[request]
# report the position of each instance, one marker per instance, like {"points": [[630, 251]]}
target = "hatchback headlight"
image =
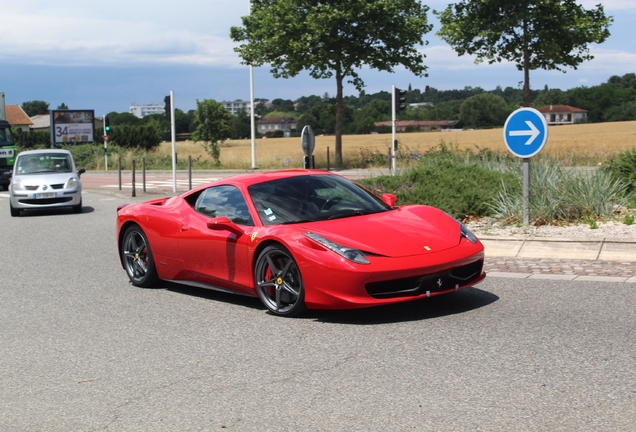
{"points": [[346, 252], [17, 186], [71, 183]]}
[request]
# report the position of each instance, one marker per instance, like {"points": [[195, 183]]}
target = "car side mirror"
{"points": [[7, 174], [389, 199], [81, 171], [223, 223]]}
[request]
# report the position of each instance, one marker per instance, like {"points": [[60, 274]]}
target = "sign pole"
{"points": [[393, 133], [525, 133], [526, 190], [105, 143], [174, 144], [252, 125]]}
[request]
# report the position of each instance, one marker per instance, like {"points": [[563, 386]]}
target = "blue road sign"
{"points": [[525, 132]]}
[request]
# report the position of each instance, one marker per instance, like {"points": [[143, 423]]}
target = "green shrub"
{"points": [[623, 168], [459, 189], [142, 137]]}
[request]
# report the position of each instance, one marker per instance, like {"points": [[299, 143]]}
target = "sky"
{"points": [[108, 55]]}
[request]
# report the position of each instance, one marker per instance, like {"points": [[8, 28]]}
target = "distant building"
{"points": [[17, 117], [286, 124], [421, 125], [142, 111], [563, 114], [235, 106]]}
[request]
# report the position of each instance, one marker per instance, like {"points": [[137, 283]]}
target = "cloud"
{"points": [[92, 35]]}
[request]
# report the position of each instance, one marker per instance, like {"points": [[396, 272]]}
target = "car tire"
{"points": [[136, 255], [78, 208], [279, 283], [14, 211]]}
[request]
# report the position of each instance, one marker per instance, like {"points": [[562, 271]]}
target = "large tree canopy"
{"points": [[533, 34], [333, 37], [35, 107]]}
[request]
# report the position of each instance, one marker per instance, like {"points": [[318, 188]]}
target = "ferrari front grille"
{"points": [[414, 286]]}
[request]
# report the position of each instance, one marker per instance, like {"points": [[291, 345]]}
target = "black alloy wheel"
{"points": [[137, 258], [278, 282]]}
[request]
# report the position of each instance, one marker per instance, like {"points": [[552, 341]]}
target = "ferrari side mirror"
{"points": [[389, 199], [223, 223]]}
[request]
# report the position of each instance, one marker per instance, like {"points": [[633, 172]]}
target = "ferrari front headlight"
{"points": [[466, 233], [346, 252], [71, 183]]}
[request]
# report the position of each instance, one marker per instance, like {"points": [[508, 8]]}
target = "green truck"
{"points": [[8, 152]]}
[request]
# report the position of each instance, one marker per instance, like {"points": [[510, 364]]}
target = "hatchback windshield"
{"points": [[44, 163], [312, 198]]}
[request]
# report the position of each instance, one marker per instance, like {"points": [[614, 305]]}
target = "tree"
{"points": [[533, 34], [484, 110], [35, 107], [330, 38], [62, 106], [212, 125], [241, 124]]}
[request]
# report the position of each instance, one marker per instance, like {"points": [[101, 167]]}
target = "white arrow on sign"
{"points": [[533, 132]]}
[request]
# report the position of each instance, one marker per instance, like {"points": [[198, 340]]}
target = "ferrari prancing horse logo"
{"points": [[254, 234]]}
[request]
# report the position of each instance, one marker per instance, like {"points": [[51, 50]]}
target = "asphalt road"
{"points": [[83, 350]]}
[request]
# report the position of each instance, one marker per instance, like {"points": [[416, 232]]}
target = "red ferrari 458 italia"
{"points": [[298, 239]]}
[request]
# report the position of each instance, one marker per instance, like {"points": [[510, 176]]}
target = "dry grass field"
{"points": [[582, 144]]}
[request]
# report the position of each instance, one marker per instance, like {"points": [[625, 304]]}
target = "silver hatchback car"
{"points": [[45, 179]]}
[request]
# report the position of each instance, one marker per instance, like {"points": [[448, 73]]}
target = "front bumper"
{"points": [[25, 200]]}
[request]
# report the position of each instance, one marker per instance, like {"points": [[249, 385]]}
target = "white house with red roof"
{"points": [[563, 114]]}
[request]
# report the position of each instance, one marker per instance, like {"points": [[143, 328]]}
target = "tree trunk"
{"points": [[339, 118], [527, 95]]}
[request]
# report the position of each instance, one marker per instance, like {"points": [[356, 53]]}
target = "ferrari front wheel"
{"points": [[137, 258], [278, 282]]}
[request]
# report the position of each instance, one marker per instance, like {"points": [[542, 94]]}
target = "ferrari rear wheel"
{"points": [[137, 258], [279, 283]]}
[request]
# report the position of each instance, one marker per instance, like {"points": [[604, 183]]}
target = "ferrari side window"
{"points": [[225, 201]]}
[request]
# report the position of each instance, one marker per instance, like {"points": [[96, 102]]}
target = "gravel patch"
{"points": [[609, 229]]}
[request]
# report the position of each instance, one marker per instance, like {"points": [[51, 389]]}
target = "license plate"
{"points": [[45, 195]]}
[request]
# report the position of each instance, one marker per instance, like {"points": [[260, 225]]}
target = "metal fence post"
{"points": [[143, 172], [133, 179], [189, 172]]}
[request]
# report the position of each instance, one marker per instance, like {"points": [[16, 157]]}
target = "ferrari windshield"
{"points": [[312, 198], [44, 163]]}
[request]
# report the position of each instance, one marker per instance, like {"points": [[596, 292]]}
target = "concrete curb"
{"points": [[601, 249]]}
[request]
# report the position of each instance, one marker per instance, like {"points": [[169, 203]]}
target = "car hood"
{"points": [[405, 231], [45, 178]]}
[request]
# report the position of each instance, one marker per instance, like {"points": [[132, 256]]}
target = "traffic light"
{"points": [[167, 108], [400, 100], [107, 124]]}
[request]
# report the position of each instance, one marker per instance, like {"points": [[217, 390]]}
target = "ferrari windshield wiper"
{"points": [[353, 213], [297, 221]]}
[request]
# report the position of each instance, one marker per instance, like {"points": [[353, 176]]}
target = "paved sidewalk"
{"points": [[561, 269]]}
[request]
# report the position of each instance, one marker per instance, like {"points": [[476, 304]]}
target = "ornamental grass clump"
{"points": [[562, 195]]}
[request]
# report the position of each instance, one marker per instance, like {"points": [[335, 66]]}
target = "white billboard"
{"points": [[72, 126]]}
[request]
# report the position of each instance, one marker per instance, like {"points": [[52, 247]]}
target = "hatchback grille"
{"points": [[47, 200], [414, 286]]}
